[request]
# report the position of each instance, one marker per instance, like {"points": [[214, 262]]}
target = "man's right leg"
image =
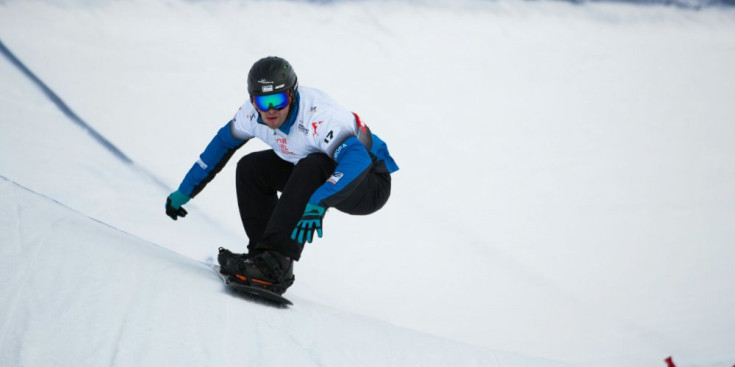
{"points": [[310, 173], [259, 177], [269, 220]]}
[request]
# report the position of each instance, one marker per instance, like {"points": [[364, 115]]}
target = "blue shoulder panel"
{"points": [[380, 150]]}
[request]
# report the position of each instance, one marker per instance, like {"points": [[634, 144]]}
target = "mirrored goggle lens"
{"points": [[278, 101]]}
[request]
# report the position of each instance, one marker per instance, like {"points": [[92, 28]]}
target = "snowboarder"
{"points": [[323, 156]]}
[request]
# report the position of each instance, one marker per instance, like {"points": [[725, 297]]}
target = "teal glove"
{"points": [[310, 221], [174, 203]]}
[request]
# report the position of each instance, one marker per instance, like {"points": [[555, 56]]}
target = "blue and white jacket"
{"points": [[315, 124]]}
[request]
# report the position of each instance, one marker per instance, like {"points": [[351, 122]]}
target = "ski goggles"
{"points": [[278, 101]]}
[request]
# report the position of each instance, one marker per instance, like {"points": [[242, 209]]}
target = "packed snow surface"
{"points": [[78, 292], [566, 191]]}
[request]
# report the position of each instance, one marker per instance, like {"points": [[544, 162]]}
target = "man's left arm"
{"points": [[353, 165]]}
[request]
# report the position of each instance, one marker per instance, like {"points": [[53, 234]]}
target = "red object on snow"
{"points": [[670, 362]]}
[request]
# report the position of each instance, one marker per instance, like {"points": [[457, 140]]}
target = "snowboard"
{"points": [[256, 292]]}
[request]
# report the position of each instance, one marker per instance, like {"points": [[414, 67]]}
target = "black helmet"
{"points": [[272, 75]]}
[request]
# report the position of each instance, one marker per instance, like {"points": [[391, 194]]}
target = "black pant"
{"points": [[270, 220]]}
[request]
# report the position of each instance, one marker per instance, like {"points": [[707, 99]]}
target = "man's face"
{"points": [[273, 108], [274, 118]]}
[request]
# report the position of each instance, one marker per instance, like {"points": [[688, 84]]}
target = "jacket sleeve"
{"points": [[211, 161], [353, 164]]}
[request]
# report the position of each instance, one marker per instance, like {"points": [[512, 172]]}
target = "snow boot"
{"points": [[267, 270], [227, 260]]}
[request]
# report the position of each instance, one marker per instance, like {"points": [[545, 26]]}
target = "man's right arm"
{"points": [[215, 156]]}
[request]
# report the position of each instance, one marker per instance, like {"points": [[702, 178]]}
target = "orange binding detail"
{"points": [[244, 279]]}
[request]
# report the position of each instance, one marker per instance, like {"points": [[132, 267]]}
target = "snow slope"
{"points": [[579, 157], [43, 150], [77, 292]]}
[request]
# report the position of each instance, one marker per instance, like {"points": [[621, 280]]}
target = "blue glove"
{"points": [[310, 221], [174, 203]]}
